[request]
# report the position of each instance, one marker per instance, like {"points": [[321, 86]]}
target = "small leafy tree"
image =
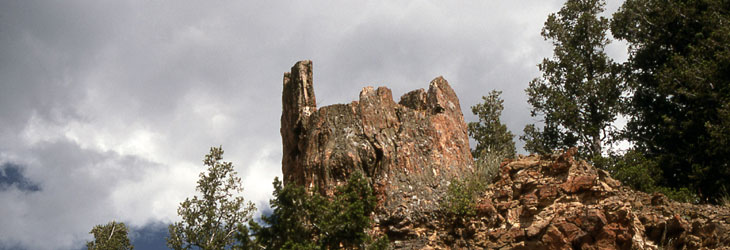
{"points": [[213, 220], [301, 220], [112, 236], [579, 92]]}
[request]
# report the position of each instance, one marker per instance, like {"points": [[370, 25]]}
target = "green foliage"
{"points": [[679, 74], [381, 243], [494, 143], [301, 220], [579, 92], [725, 199], [460, 199], [487, 167], [633, 169], [462, 194], [289, 223], [112, 236], [547, 140], [489, 132], [213, 220], [678, 194]]}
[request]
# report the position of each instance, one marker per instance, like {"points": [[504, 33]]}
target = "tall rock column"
{"points": [[298, 102]]}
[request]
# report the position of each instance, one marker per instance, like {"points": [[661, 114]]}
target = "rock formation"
{"points": [[409, 150], [412, 149], [558, 202]]}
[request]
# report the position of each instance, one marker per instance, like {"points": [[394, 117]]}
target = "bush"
{"points": [[487, 165], [640, 173], [462, 194], [460, 200]]}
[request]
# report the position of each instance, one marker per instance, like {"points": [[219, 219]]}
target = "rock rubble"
{"points": [[558, 202]]}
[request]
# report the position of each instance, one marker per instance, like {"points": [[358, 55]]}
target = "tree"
{"points": [[213, 220], [679, 75], [112, 236], [302, 220], [579, 92], [489, 132], [290, 225]]}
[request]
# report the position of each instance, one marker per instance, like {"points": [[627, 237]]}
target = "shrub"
{"points": [[462, 194], [640, 173]]}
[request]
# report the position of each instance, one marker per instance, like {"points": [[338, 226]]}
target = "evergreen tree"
{"points": [[290, 225], [213, 220], [112, 236], [679, 74], [301, 220], [489, 132], [579, 92]]}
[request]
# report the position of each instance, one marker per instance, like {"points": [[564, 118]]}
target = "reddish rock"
{"points": [[578, 183], [554, 239], [409, 150], [572, 232], [587, 209], [486, 208]]}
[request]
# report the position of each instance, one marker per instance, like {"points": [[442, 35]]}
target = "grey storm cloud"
{"points": [[108, 107]]}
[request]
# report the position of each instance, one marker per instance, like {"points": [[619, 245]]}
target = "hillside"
{"points": [[411, 150]]}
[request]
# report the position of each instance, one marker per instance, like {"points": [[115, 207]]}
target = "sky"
{"points": [[107, 108]]}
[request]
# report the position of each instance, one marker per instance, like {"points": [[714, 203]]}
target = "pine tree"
{"points": [[213, 220], [491, 135], [579, 92], [303, 220]]}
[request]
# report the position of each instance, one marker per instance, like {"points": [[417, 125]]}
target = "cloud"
{"points": [[109, 107], [77, 188]]}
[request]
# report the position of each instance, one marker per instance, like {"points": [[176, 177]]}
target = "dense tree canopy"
{"points": [[213, 220], [679, 74], [579, 92]]}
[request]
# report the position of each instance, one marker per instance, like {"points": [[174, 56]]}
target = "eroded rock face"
{"points": [[409, 150]]}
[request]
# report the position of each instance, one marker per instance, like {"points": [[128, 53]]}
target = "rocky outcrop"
{"points": [[558, 202], [409, 150]]}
